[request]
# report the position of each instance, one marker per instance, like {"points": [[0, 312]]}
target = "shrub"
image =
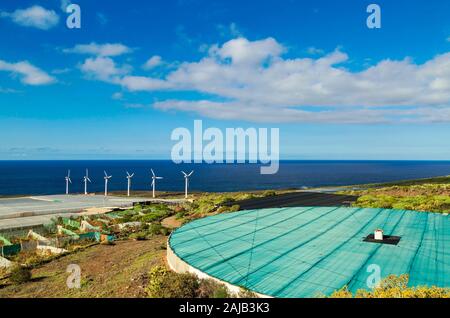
{"points": [[179, 209], [180, 215], [139, 236], [395, 287], [166, 284], [20, 274], [245, 293], [209, 288], [269, 193], [152, 216]]}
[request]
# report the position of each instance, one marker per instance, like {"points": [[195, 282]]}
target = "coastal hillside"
{"points": [[428, 195]]}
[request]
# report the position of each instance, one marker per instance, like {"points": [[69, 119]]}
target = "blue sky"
{"points": [[117, 87]]}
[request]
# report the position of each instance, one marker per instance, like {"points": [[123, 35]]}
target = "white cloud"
{"points": [[142, 83], [108, 49], [262, 113], [152, 62], [30, 74], [103, 68], [255, 82], [35, 16], [244, 52]]}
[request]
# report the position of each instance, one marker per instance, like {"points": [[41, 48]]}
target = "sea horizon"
{"points": [[41, 177]]}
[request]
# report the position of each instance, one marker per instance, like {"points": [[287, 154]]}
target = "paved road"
{"points": [[35, 211], [41, 205], [297, 199]]}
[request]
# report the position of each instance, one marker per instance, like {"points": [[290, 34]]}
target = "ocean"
{"points": [[47, 177]]}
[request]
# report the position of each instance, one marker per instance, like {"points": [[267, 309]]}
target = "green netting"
{"points": [[88, 236], [313, 251], [87, 226], [71, 223], [11, 250], [69, 233]]}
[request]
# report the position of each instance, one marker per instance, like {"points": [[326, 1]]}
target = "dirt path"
{"points": [[171, 222], [106, 271]]}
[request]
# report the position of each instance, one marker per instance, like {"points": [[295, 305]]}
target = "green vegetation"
{"points": [[420, 197], [20, 274], [214, 203], [395, 287], [164, 283], [418, 203]]}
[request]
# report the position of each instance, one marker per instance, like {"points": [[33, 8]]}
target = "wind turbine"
{"points": [[129, 176], [154, 178], [186, 182], [106, 183], [67, 182], [86, 180]]}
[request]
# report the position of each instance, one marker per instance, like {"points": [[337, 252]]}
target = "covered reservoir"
{"points": [[313, 251]]}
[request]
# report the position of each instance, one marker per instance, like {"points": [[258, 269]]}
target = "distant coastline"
{"points": [[18, 178]]}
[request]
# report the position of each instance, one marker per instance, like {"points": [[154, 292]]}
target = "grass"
{"points": [[106, 271]]}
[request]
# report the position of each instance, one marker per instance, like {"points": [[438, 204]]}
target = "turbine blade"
{"points": [[88, 179], [153, 173], [190, 174], [70, 180]]}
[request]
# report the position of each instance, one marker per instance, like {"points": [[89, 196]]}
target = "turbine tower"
{"points": [[129, 176], [154, 178], [106, 183], [86, 180], [67, 182], [186, 182]]}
